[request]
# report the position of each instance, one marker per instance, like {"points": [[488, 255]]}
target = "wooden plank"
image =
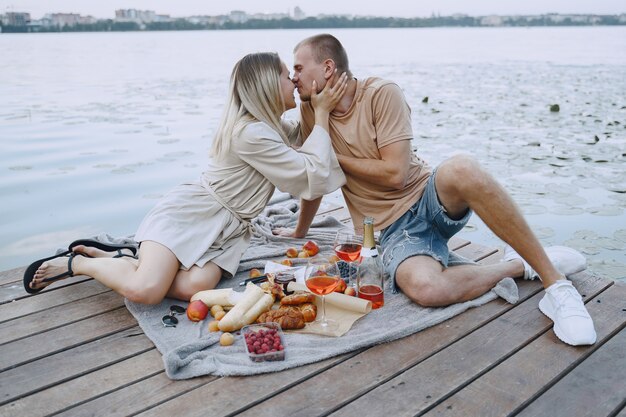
{"points": [[43, 373], [61, 338], [12, 330], [434, 379], [48, 299], [521, 377], [493, 258], [596, 387], [12, 275], [325, 392], [140, 396], [475, 251], [87, 387], [15, 291], [227, 396]]}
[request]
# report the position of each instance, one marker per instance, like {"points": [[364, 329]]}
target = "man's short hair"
{"points": [[325, 46]]}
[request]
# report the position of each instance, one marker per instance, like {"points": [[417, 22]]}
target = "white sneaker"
{"points": [[564, 306], [566, 260]]}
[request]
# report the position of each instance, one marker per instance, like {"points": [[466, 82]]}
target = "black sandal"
{"points": [[107, 247], [29, 275]]}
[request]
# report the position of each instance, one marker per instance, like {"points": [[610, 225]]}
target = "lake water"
{"points": [[94, 127]]}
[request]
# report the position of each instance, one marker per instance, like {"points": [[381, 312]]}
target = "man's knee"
{"points": [[462, 168], [421, 287]]}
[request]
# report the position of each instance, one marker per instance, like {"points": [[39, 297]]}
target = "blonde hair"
{"points": [[254, 96]]}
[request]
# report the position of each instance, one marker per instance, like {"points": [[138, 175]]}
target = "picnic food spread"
{"points": [[269, 304]]}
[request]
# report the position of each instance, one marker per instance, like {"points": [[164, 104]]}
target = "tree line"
{"points": [[330, 22]]}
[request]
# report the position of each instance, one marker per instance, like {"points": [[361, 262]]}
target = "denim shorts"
{"points": [[423, 230]]}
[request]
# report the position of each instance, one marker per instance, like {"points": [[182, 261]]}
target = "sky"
{"points": [[397, 8]]}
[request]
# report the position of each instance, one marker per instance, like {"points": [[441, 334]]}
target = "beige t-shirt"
{"points": [[378, 116]]}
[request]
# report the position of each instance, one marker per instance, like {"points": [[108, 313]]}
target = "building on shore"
{"points": [[15, 19]]}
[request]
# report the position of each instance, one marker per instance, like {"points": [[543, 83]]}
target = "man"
{"points": [[417, 209]]}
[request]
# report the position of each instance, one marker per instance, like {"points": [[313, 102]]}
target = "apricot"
{"points": [[286, 262], [311, 248], [303, 254], [215, 309], [255, 273], [350, 291], [219, 315], [214, 326], [197, 310], [227, 339], [292, 253]]}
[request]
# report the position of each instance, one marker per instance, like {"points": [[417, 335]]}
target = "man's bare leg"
{"points": [[461, 183], [425, 281]]}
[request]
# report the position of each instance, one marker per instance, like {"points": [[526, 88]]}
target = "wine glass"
{"points": [[322, 277], [348, 248]]}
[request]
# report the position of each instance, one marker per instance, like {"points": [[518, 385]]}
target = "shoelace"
{"points": [[568, 300]]}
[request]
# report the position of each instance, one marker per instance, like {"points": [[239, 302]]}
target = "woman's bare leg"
{"points": [[189, 282], [146, 280], [99, 253]]}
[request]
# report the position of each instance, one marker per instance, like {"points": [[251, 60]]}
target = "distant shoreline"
{"points": [[331, 22]]}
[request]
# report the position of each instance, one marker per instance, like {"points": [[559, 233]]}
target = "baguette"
{"points": [[234, 319], [221, 297]]}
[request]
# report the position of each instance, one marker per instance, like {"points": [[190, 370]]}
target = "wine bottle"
{"points": [[370, 284]]}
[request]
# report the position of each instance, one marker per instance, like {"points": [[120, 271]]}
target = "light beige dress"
{"points": [[209, 220]]}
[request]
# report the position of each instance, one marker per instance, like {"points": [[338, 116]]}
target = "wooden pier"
{"points": [[75, 350]]}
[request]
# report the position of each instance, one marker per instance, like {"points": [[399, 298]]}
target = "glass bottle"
{"points": [[370, 284]]}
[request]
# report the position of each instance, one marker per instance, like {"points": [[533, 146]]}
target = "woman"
{"points": [[199, 231]]}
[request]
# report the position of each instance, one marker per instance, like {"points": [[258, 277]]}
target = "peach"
{"points": [[334, 258], [197, 310], [286, 262], [350, 291], [341, 287], [255, 273], [303, 254], [292, 253], [311, 248]]}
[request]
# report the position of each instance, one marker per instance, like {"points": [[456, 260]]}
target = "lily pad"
{"points": [[533, 209], [586, 234], [566, 210], [571, 200], [620, 235], [611, 269], [610, 243], [606, 210]]}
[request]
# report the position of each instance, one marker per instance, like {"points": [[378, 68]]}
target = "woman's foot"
{"points": [[53, 270], [92, 252]]}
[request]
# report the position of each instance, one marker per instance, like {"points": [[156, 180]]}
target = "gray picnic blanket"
{"points": [[190, 350]]}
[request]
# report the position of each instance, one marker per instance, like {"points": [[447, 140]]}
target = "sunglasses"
{"points": [[169, 320]]}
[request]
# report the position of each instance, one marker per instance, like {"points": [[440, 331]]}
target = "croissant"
{"points": [[298, 298], [289, 318], [309, 311]]}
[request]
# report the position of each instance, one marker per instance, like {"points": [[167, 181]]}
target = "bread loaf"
{"points": [[298, 298], [289, 318]]}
